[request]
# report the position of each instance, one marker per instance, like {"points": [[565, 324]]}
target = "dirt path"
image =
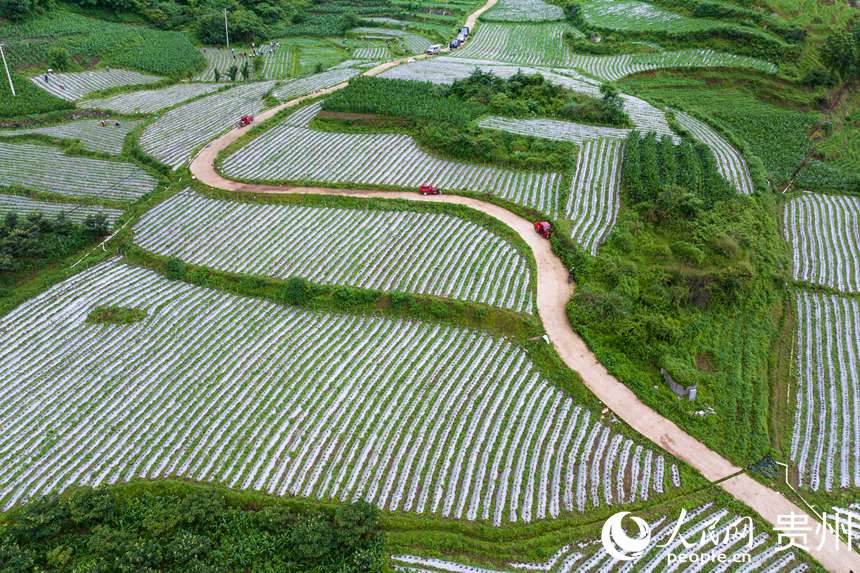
{"points": [[553, 292]]}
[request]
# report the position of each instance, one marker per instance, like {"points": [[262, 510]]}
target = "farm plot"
{"points": [[824, 234], [221, 59], [210, 386], [72, 212], [633, 16], [91, 133], [303, 86], [151, 101], [76, 85], [705, 530], [367, 249], [595, 192], [730, 163], [825, 442], [370, 52], [848, 519], [292, 153], [47, 169], [543, 45], [552, 129], [524, 11], [173, 137]]}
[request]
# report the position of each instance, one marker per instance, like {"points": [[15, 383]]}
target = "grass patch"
{"points": [[116, 315]]}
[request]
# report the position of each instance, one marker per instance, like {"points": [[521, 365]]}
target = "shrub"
{"points": [[175, 269]]}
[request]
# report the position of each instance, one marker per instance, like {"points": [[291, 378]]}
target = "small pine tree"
{"points": [[246, 71], [232, 72], [217, 75]]}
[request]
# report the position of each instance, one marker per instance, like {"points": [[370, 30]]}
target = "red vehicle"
{"points": [[246, 120], [429, 190], [543, 228]]}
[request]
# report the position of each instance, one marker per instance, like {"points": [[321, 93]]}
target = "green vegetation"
{"points": [[690, 281], [31, 242], [171, 526], [39, 41], [29, 99], [116, 315], [442, 118]]}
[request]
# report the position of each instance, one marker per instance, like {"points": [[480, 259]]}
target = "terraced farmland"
{"points": [[369, 249], [633, 16], [76, 85], [303, 86], [706, 530], [72, 212], [221, 59], [825, 442], [47, 169], [173, 137], [595, 192], [730, 162], [824, 234], [543, 45], [377, 52], [215, 387], [524, 11], [92, 135], [151, 101], [293, 153], [552, 129]]}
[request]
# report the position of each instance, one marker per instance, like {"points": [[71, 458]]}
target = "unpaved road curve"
{"points": [[553, 292]]}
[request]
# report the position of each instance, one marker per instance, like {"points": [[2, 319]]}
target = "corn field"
{"points": [[730, 163]]}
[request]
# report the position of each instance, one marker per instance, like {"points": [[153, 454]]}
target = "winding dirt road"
{"points": [[553, 292]]}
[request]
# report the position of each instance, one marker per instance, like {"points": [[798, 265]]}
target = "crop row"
{"points": [[94, 136], [377, 52], [151, 101], [848, 520], [76, 85], [825, 442], [45, 168], [174, 136], [707, 531], [824, 234], [544, 45], [595, 192], [386, 250], [221, 59], [446, 70], [730, 163], [215, 387], [288, 153], [554, 129], [524, 11], [310, 84], [77, 213]]}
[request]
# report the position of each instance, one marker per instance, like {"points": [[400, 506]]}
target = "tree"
{"points": [[16, 9], [839, 54], [175, 269], [58, 58]]}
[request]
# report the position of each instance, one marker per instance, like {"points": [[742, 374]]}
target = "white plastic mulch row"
{"points": [[94, 136], [310, 84], [595, 192], [824, 234], [445, 70], [730, 162], [288, 153], [173, 137], [76, 213], [557, 130], [848, 520], [222, 59], [706, 531], [76, 85], [524, 11], [46, 168], [544, 45], [370, 52], [215, 387], [151, 101], [427, 253], [825, 442]]}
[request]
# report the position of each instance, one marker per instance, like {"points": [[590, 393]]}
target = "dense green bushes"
{"points": [[690, 280], [152, 527], [29, 98]]}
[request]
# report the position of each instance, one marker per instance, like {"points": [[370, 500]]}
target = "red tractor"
{"points": [[246, 120], [543, 228], [429, 190]]}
